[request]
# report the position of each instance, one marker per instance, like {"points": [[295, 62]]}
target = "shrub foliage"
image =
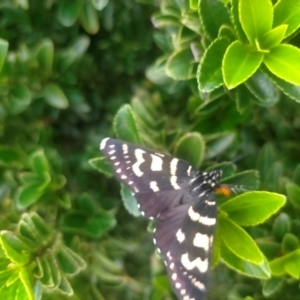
{"points": [[214, 82]]}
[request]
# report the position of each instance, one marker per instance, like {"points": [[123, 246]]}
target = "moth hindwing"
{"points": [[182, 201]]}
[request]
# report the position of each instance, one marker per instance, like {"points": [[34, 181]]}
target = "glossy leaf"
{"points": [[247, 180], [287, 12], [125, 125], [99, 4], [284, 62], [263, 88], [101, 165], [239, 242], [216, 144], [273, 37], [293, 193], [271, 286], [3, 51], [89, 19], [129, 201], [252, 208], [19, 99], [239, 64], [45, 56], [54, 96], [69, 12], [245, 267], [235, 17], [180, 65], [39, 163], [208, 10], [256, 18], [210, 69], [13, 247], [281, 226], [191, 147]]}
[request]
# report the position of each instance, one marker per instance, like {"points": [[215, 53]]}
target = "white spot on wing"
{"points": [[153, 186], [201, 265], [103, 143], [125, 148], [156, 164], [123, 176], [180, 236], [193, 215], [201, 219], [139, 160], [174, 182], [174, 276], [177, 285], [182, 292], [189, 170], [201, 241], [207, 221], [172, 266], [173, 166]]}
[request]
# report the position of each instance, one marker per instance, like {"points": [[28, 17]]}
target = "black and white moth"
{"points": [[182, 201]]}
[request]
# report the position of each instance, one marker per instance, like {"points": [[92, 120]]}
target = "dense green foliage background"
{"points": [[74, 72]]}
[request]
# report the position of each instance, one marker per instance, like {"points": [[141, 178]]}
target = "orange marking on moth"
{"points": [[223, 190]]}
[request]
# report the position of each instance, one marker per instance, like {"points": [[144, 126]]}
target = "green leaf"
{"points": [[208, 10], [19, 99], [125, 125], [265, 159], [287, 264], [191, 147], [281, 226], [248, 180], [45, 55], [209, 73], [89, 19], [235, 18], [156, 72], [238, 241], [13, 247], [218, 143], [25, 277], [8, 156], [256, 18], [263, 88], [284, 62], [293, 193], [69, 12], [46, 279], [252, 208], [180, 65], [39, 163], [289, 89], [239, 64], [129, 201], [290, 243], [287, 12], [272, 286], [243, 98], [273, 37], [99, 4], [65, 287], [27, 195], [101, 165], [194, 4], [67, 263], [245, 267], [16, 291], [55, 96], [3, 51]]}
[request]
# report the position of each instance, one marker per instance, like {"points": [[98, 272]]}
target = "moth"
{"points": [[181, 199]]}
